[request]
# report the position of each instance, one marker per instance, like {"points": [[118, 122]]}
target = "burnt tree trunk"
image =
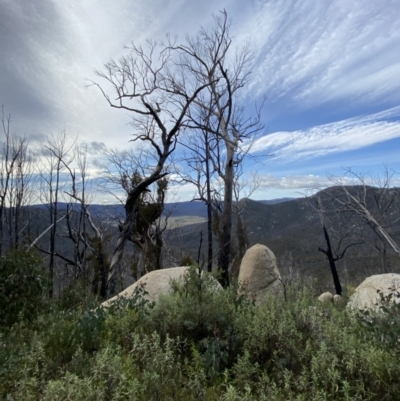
{"points": [[224, 253], [209, 207], [332, 260]]}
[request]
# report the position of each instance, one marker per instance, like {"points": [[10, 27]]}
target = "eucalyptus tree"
{"points": [[213, 61], [146, 83], [124, 170], [88, 235], [199, 172], [73, 236], [16, 178], [375, 201], [170, 88], [339, 229], [56, 158]]}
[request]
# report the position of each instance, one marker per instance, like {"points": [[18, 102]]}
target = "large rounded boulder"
{"points": [[155, 283], [259, 276], [367, 294]]}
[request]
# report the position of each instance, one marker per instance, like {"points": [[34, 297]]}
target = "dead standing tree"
{"points": [[372, 200], [337, 227], [87, 247], [147, 84], [89, 239], [244, 186], [21, 192], [15, 176], [57, 156], [124, 171], [211, 60], [199, 172]]}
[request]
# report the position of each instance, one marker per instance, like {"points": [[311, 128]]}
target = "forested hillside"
{"points": [[293, 231]]}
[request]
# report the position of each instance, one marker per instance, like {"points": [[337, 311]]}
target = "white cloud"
{"points": [[306, 53], [349, 134], [312, 52], [273, 186], [292, 182]]}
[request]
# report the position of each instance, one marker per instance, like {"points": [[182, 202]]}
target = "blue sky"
{"points": [[330, 70]]}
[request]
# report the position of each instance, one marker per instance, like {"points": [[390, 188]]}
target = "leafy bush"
{"points": [[384, 323], [199, 343], [303, 349], [203, 314], [126, 316], [76, 295], [23, 286], [137, 301]]}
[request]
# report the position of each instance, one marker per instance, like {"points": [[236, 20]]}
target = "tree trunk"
{"points": [[54, 212], [332, 264], [384, 257], [103, 272], [127, 226], [158, 251], [209, 207], [224, 253]]}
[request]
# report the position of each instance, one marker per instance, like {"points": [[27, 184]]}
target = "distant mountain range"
{"points": [[292, 230], [275, 201], [177, 209], [289, 227]]}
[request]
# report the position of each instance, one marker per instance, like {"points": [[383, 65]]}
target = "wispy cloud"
{"points": [[292, 182], [308, 54], [308, 184], [312, 52], [349, 134]]}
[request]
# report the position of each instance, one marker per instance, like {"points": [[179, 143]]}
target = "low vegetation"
{"points": [[198, 343]]}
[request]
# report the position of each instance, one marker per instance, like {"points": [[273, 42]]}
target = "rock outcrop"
{"points": [[259, 275], [155, 283], [366, 295]]}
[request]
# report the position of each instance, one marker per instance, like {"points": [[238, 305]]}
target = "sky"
{"points": [[329, 71]]}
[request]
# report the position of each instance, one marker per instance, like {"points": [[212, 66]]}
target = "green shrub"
{"points": [[204, 314], [126, 316], [186, 261], [384, 323], [199, 343], [307, 350], [23, 287], [75, 296]]}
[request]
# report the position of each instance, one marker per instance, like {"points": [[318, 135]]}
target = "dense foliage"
{"points": [[200, 343], [22, 285]]}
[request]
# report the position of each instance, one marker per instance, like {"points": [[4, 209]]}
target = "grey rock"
{"points": [[326, 297], [366, 295], [156, 283], [259, 276], [336, 298]]}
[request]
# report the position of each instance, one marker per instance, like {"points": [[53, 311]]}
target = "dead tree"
{"points": [[375, 201], [15, 185], [207, 57], [57, 157], [243, 187], [123, 172], [199, 172], [146, 84], [336, 226], [20, 195], [332, 260], [88, 238]]}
